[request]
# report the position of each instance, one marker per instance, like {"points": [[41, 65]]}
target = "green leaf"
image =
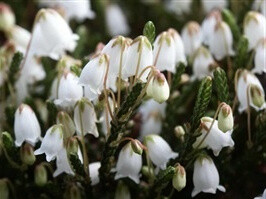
{"points": [[230, 19], [14, 67], [149, 31], [221, 85], [177, 76], [241, 53], [76, 164], [52, 110], [10, 147], [202, 102]]}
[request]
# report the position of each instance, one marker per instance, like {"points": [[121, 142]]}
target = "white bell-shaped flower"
{"points": [[158, 88], [179, 47], [117, 50], [192, 37], [164, 53], [260, 60], [52, 142], [51, 35], [85, 118], [149, 107], [208, 25], [202, 63], [221, 41], [139, 56], [152, 125], [263, 196], [78, 9], [248, 85], [178, 7], [216, 138], [254, 28], [93, 75], [7, 17], [94, 172], [26, 126], [260, 5], [205, 177], [116, 20], [128, 164], [159, 150], [69, 91], [209, 5], [20, 37]]}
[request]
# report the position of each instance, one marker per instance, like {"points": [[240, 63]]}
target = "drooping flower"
{"points": [[158, 88], [260, 61], [52, 142], [116, 20], [225, 118], [192, 37], [209, 5], [203, 63], [78, 9], [67, 124], [208, 25], [159, 150], [94, 172], [139, 56], [250, 89], [260, 5], [254, 28], [206, 177], [93, 74], [51, 35], [178, 7], [62, 164], [221, 41], [7, 17], [128, 164], [152, 125], [26, 126], [179, 178], [179, 47], [149, 107], [20, 37], [164, 53], [85, 118], [69, 91], [216, 139]]}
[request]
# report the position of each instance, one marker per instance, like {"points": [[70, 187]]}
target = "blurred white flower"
{"points": [[254, 28], [69, 91], [260, 57], [94, 172], [202, 63], [92, 75], [22, 91], [7, 17], [263, 196], [150, 106], [178, 7], [216, 138], [139, 56], [128, 164], [209, 5], [179, 46], [78, 9], [152, 125], [26, 126], [208, 25], [260, 5], [192, 37], [248, 84], [51, 35], [159, 150], [205, 177], [158, 88], [116, 20], [52, 142], [85, 118], [164, 53], [221, 41]]}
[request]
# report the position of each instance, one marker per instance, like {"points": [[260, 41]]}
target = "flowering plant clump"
{"points": [[133, 99]]}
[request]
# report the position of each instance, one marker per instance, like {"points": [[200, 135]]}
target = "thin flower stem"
{"points": [[144, 70], [11, 187], [157, 55], [169, 78], [113, 98], [137, 69], [107, 122], [119, 80], [248, 119], [249, 64], [150, 167]]}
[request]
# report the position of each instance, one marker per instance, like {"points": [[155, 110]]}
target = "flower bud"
{"points": [[27, 154], [158, 88], [259, 59], [74, 193], [136, 146], [179, 178], [147, 172], [7, 17], [179, 131], [225, 118], [72, 145], [67, 124], [4, 192], [40, 175], [122, 191], [257, 96]]}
